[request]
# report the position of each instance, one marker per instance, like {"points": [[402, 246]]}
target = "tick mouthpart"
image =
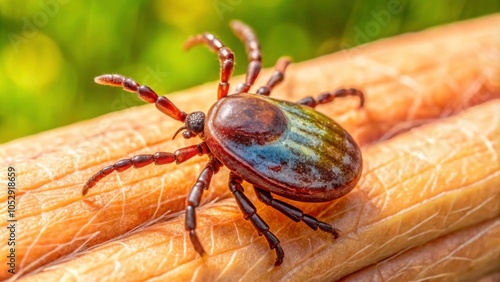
{"points": [[179, 130]]}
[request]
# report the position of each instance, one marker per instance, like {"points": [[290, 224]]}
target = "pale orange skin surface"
{"points": [[428, 198]]}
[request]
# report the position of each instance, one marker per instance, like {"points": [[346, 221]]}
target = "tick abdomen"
{"points": [[285, 148]]}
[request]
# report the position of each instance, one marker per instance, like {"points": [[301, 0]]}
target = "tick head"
{"points": [[193, 125]]}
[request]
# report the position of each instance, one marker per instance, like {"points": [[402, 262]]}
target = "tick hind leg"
{"points": [[193, 201], [294, 213], [226, 58], [328, 97], [250, 213], [247, 35], [159, 158], [276, 78]]}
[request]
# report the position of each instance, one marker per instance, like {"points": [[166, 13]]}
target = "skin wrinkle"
{"points": [[226, 268], [423, 256], [400, 253], [159, 203], [467, 96], [481, 134], [69, 151], [370, 194], [73, 275], [63, 259], [212, 239], [138, 251], [458, 248], [473, 210], [166, 215], [434, 277], [77, 235], [385, 203], [117, 266], [170, 269], [303, 261], [469, 92], [449, 211], [417, 173], [409, 231], [47, 171], [34, 243], [113, 258], [252, 270], [199, 259], [123, 208], [359, 214], [161, 266], [437, 196], [398, 128], [237, 234], [140, 138], [434, 185], [394, 73], [336, 271], [196, 273]]}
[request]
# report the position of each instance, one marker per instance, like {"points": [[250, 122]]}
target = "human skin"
{"points": [[428, 199]]}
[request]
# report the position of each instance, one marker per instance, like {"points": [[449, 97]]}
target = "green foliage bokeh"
{"points": [[50, 50]]}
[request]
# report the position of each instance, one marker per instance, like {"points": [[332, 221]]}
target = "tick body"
{"points": [[284, 148], [279, 147]]}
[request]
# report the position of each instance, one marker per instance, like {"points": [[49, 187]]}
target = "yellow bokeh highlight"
{"points": [[183, 14], [31, 63]]}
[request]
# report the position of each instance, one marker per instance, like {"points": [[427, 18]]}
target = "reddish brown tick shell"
{"points": [[282, 147]]}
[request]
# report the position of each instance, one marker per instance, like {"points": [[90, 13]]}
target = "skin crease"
{"points": [[287, 149]]}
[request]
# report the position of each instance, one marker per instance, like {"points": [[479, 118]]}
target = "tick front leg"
{"points": [[294, 213], [159, 158], [226, 58], [145, 93], [250, 213], [193, 201], [276, 78], [247, 35], [328, 97]]}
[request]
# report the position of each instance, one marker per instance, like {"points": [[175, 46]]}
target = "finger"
{"points": [[416, 188], [449, 257]]}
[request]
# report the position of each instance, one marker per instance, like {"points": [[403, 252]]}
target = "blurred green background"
{"points": [[50, 50]]}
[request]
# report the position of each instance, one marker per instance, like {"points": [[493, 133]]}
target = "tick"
{"points": [[279, 147]]}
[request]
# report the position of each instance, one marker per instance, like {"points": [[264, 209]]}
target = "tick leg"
{"points": [[194, 198], [179, 156], [276, 78], [226, 58], [144, 92], [247, 35], [250, 213], [328, 97], [294, 213]]}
